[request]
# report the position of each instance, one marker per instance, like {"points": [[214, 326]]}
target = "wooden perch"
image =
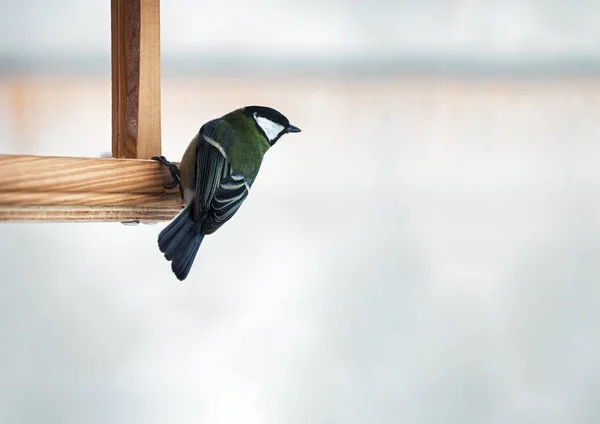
{"points": [[135, 28], [41, 188]]}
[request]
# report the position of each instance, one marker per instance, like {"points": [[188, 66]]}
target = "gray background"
{"points": [[425, 251]]}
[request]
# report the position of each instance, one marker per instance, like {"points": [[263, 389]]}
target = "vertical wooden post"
{"points": [[135, 28]]}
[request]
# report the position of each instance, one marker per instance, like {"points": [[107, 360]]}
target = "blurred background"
{"points": [[427, 250]]}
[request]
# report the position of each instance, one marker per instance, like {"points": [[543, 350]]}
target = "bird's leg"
{"points": [[175, 172]]}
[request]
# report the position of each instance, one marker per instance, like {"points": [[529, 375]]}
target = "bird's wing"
{"points": [[219, 191], [210, 164], [228, 198]]}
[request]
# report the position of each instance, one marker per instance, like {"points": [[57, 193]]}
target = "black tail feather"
{"points": [[180, 241], [179, 238], [166, 236], [182, 264]]}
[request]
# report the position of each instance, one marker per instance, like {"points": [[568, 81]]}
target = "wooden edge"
{"points": [[149, 114], [86, 214], [47, 188], [122, 143]]}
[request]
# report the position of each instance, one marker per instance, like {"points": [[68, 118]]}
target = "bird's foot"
{"points": [[175, 172]]}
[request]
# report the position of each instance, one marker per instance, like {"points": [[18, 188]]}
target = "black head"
{"points": [[271, 123]]}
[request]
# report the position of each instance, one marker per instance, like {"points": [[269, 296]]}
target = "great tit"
{"points": [[217, 170]]}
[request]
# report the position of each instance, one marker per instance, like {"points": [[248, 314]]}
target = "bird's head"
{"points": [[271, 123]]}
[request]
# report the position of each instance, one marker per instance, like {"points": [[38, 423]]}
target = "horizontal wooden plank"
{"points": [[44, 188], [68, 174]]}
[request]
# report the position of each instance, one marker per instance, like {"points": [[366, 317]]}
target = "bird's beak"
{"points": [[292, 129]]}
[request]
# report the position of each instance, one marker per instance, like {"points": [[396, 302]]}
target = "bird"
{"points": [[215, 175]]}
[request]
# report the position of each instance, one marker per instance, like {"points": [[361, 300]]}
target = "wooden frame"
{"points": [[129, 187]]}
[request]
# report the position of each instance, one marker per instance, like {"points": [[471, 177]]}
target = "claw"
{"points": [[175, 173], [176, 182], [161, 159]]}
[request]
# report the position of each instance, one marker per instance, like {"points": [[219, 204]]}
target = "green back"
{"points": [[242, 142]]}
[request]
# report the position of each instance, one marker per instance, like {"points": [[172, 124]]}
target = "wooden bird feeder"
{"points": [[127, 187]]}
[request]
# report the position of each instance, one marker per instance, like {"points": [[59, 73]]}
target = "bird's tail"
{"points": [[180, 240]]}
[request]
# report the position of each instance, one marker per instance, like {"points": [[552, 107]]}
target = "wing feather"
{"points": [[219, 191]]}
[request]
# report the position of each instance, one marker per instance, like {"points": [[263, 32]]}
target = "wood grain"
{"points": [[35, 185], [136, 115]]}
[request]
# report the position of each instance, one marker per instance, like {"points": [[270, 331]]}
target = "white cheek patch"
{"points": [[271, 129]]}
